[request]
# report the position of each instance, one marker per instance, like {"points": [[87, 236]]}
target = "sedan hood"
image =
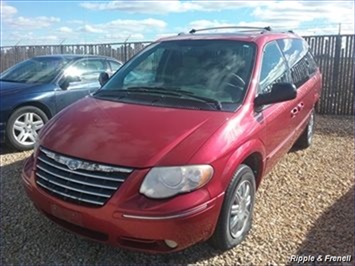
{"points": [[128, 134], [7, 88]]}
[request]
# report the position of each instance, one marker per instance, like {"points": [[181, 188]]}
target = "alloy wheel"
{"points": [[26, 127], [240, 210]]}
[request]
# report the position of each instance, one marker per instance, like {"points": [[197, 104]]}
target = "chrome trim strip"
{"points": [[70, 196], [183, 214], [75, 189], [61, 159], [80, 173], [75, 181]]}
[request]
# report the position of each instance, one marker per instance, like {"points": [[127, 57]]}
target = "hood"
{"points": [[7, 88], [130, 135]]}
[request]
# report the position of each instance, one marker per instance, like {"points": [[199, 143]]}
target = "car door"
{"points": [[303, 73], [278, 130], [82, 78]]}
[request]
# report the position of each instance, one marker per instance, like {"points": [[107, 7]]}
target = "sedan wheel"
{"points": [[26, 128], [23, 127]]}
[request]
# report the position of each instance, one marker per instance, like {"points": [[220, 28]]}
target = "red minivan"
{"points": [[171, 150]]}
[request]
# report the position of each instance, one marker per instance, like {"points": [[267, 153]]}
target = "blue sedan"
{"points": [[34, 90]]}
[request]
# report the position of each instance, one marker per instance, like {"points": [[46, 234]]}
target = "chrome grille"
{"points": [[56, 175]]}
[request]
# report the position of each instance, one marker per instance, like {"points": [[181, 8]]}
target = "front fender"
{"points": [[236, 158]]}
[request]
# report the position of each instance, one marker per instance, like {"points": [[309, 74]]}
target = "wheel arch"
{"points": [[255, 162], [44, 108], [252, 154]]}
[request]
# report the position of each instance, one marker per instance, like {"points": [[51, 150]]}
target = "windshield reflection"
{"points": [[217, 70], [35, 70]]}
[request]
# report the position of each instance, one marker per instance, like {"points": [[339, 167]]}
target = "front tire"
{"points": [[23, 126], [236, 216]]}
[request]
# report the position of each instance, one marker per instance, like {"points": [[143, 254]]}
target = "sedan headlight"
{"points": [[164, 182]]}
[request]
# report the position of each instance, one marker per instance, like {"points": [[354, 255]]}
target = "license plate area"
{"points": [[67, 215]]}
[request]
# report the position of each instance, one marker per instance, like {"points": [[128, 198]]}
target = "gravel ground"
{"points": [[305, 206]]}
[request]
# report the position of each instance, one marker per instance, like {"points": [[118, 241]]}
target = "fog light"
{"points": [[170, 243]]}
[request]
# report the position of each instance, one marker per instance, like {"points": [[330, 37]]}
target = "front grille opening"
{"points": [[95, 235], [83, 187]]}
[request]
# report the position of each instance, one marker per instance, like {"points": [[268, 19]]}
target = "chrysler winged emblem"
{"points": [[73, 164]]}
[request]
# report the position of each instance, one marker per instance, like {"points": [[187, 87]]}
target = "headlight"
{"points": [[164, 182]]}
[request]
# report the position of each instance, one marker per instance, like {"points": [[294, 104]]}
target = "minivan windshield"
{"points": [[35, 70], [198, 74]]}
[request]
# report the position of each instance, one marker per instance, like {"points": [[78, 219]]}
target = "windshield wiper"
{"points": [[172, 91], [115, 94], [205, 99], [147, 89], [175, 92]]}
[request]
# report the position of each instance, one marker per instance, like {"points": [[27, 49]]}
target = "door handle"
{"points": [[300, 106], [294, 112]]}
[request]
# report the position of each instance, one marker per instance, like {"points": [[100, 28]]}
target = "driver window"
{"points": [[274, 68], [86, 70]]}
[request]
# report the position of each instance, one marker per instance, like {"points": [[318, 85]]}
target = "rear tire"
{"points": [[305, 140], [236, 216], [23, 126]]}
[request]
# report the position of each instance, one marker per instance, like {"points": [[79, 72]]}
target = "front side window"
{"points": [[293, 49], [199, 74], [300, 60], [274, 68], [35, 70], [86, 70]]}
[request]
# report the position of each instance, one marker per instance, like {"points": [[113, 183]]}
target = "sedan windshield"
{"points": [[35, 70], [199, 74]]}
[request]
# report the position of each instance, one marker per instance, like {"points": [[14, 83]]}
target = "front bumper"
{"points": [[134, 223]]}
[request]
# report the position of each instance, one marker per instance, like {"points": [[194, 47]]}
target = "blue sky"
{"points": [[54, 22]]}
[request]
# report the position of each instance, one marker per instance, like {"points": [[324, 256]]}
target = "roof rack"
{"points": [[232, 27]]}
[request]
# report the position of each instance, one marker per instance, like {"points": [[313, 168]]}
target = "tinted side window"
{"points": [[300, 61], [312, 63], [303, 70], [274, 68]]}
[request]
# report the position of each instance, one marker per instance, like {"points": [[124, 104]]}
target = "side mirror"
{"points": [[65, 81], [103, 78], [280, 92]]}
